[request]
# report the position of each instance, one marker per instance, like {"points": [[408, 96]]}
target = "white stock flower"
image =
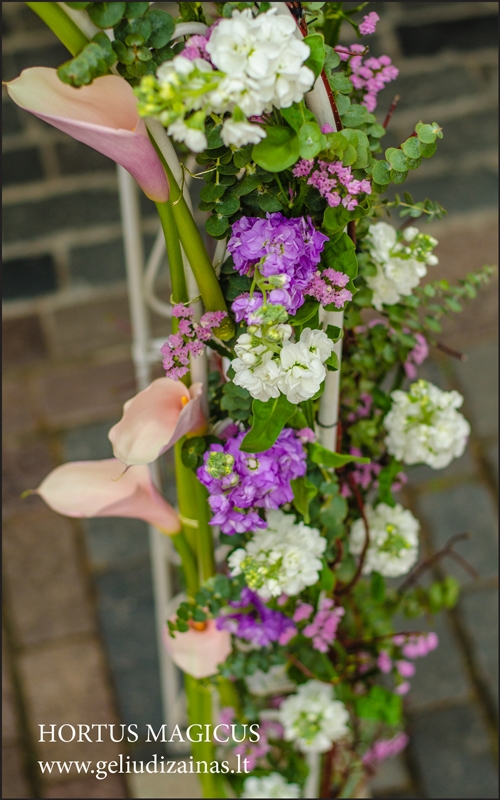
{"points": [[239, 134], [424, 426], [393, 547], [193, 138], [270, 786], [275, 681], [317, 342], [396, 276], [284, 557], [260, 380], [312, 718]]}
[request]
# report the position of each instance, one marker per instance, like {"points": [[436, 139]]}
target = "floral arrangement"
{"points": [[287, 460]]}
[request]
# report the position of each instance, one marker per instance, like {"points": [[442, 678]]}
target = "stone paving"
{"points": [[79, 641]]}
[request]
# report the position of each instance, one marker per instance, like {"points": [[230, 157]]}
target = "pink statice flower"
{"points": [[369, 23], [419, 646], [327, 128], [369, 76], [385, 748], [402, 688], [405, 668], [189, 340], [302, 612], [416, 356], [196, 47], [333, 181], [323, 629], [384, 662], [329, 287]]}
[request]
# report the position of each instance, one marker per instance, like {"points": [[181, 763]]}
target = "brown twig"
{"points": [[450, 352], [348, 644], [305, 670], [351, 231], [445, 551], [354, 488], [340, 551], [326, 779], [391, 111], [331, 98]]}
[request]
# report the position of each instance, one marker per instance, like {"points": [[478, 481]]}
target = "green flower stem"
{"points": [[199, 706], [188, 560], [186, 501], [205, 547], [227, 694], [59, 23], [177, 276], [196, 252]]}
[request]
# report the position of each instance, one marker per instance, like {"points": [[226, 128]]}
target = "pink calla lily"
{"points": [[103, 115], [155, 419], [198, 652], [105, 489]]}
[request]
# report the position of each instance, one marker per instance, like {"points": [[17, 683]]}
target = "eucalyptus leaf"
{"points": [[278, 151], [311, 140], [106, 15], [162, 27]]}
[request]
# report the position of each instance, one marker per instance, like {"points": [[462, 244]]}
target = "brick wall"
{"points": [[78, 598]]}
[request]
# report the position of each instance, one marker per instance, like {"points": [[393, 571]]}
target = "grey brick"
{"points": [[77, 210], [480, 614], [49, 56], [10, 118], [452, 751], [97, 264], [21, 166], [459, 34], [24, 467], [460, 509], [456, 191], [472, 133], [441, 675], [126, 610], [478, 378], [390, 776], [22, 341], [88, 442], [115, 542], [420, 90], [29, 277], [89, 327], [75, 157]]}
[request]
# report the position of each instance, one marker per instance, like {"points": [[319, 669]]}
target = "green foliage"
{"points": [[94, 61], [421, 144], [379, 704], [278, 151], [326, 458], [268, 420], [316, 58]]}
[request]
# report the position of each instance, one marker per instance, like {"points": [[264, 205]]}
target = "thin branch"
{"points": [[450, 352], [425, 565], [362, 642], [391, 111], [326, 780], [305, 671]]}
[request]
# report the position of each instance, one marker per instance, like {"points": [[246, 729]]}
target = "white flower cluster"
{"points": [[312, 718], [259, 64], [285, 557], [424, 426], [270, 786], [296, 369], [400, 264], [393, 547], [274, 681]]}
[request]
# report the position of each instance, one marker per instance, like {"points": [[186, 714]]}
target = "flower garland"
{"points": [[295, 627]]}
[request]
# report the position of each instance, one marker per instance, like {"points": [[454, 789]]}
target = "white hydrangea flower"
{"points": [[284, 557], [424, 426], [270, 786], [240, 133], [397, 275], [312, 718], [192, 137], [393, 548]]}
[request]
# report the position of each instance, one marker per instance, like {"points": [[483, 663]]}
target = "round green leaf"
{"points": [[397, 159], [228, 206], [106, 15], [411, 147], [426, 133], [216, 225], [340, 83], [278, 151], [428, 150], [350, 155], [317, 53], [212, 192], [381, 172], [398, 177], [134, 10], [311, 140], [162, 27]]}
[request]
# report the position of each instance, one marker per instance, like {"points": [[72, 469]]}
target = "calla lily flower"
{"points": [[105, 489], [103, 115], [155, 419], [198, 652]]}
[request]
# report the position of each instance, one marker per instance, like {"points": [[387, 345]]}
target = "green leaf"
{"points": [[317, 55], [385, 481], [311, 140], [162, 27], [334, 333], [379, 704], [357, 115], [332, 362], [398, 177], [340, 83], [428, 150], [106, 15], [134, 10], [213, 138], [326, 458], [451, 591], [350, 155], [425, 133], [343, 102], [212, 192], [411, 147], [303, 493], [216, 225], [243, 156], [247, 185], [435, 597], [269, 419], [397, 159], [381, 172], [297, 114], [377, 587], [228, 206], [326, 578], [305, 312], [278, 151]]}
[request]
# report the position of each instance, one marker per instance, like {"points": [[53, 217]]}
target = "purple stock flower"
{"points": [[290, 248], [238, 482], [259, 624]]}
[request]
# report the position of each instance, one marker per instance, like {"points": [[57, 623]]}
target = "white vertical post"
{"points": [[160, 545]]}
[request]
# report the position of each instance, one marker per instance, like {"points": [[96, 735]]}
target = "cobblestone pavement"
{"points": [[79, 642]]}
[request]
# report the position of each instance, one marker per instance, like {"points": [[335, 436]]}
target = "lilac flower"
{"points": [[259, 624], [328, 287], [246, 307], [189, 340], [276, 246], [238, 482], [385, 748], [369, 23]]}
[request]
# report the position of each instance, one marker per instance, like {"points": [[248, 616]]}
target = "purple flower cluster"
{"points": [[365, 475], [417, 646], [369, 23], [189, 340], [240, 482], [333, 181], [385, 748], [258, 624], [286, 251], [246, 307], [196, 47], [329, 287], [370, 76], [323, 629]]}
